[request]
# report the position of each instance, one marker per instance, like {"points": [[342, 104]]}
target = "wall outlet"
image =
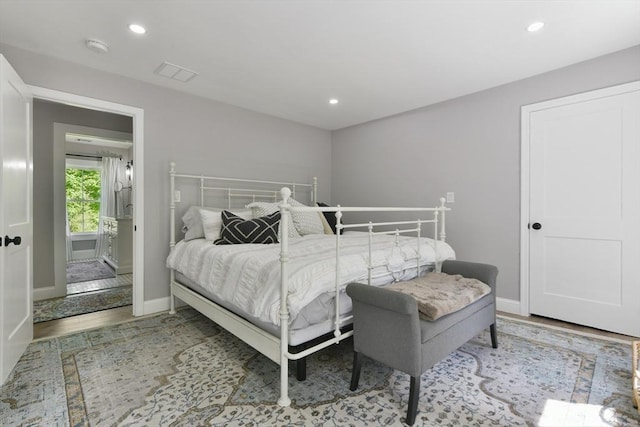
{"points": [[176, 196], [451, 198]]}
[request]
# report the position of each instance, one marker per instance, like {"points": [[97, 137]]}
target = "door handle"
{"points": [[536, 226], [16, 240]]}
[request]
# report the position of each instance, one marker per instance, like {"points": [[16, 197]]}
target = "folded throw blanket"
{"points": [[439, 294]]}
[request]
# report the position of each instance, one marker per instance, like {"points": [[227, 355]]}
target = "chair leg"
{"points": [[414, 396], [494, 336], [355, 372]]}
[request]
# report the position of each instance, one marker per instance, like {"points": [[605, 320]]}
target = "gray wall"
{"points": [[468, 145], [471, 146], [200, 135], [44, 115]]}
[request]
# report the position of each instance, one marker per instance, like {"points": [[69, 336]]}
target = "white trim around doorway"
{"points": [[525, 171], [137, 115]]}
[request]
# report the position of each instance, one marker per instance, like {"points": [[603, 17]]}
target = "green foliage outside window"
{"points": [[83, 199]]}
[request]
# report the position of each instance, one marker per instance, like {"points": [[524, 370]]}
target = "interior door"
{"points": [[585, 211], [16, 314]]}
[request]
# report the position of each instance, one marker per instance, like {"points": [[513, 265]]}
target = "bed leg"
{"points": [[494, 336], [172, 302], [301, 369]]}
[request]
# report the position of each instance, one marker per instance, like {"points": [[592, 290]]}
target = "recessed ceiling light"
{"points": [[536, 26], [138, 29], [333, 101]]}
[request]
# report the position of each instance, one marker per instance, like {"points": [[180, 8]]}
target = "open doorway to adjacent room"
{"points": [[83, 209]]}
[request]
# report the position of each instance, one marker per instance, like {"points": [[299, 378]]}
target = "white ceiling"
{"points": [[288, 58]]}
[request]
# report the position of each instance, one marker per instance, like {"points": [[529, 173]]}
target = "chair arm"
{"points": [[386, 327], [382, 298]]}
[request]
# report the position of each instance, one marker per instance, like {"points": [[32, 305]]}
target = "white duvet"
{"points": [[248, 276]]}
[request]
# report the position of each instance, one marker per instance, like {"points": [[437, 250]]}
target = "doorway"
{"points": [[136, 193], [580, 203], [96, 192]]}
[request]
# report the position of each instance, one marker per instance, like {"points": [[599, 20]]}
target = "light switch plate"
{"points": [[176, 196], [451, 197]]}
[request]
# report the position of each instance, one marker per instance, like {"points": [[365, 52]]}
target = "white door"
{"points": [[16, 311], [585, 210]]}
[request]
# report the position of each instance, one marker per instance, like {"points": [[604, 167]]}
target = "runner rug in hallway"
{"points": [[184, 370], [84, 271]]}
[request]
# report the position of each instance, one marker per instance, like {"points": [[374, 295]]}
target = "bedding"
{"points": [[248, 275], [306, 222], [203, 222], [329, 217], [325, 224], [303, 222], [263, 209], [236, 230], [211, 222], [192, 223]]}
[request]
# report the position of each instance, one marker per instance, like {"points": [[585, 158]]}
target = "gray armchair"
{"points": [[388, 328]]}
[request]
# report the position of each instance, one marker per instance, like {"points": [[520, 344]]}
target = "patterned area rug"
{"points": [[182, 370], [85, 271], [87, 302]]}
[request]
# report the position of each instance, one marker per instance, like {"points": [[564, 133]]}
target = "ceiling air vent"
{"points": [[175, 72], [97, 46]]}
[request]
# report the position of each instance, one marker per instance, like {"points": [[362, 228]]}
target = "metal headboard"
{"points": [[237, 188]]}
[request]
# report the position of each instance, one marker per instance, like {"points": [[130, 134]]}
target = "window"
{"points": [[83, 199]]}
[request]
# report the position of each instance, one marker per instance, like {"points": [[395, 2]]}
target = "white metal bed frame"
{"points": [[277, 348]]}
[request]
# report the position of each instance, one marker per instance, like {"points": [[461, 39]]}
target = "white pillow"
{"points": [[263, 209], [306, 222], [212, 221], [325, 224], [192, 222]]}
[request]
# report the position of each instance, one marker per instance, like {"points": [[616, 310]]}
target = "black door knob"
{"points": [[536, 226], [16, 240]]}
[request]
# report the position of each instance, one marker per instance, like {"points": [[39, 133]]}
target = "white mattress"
{"points": [[246, 278], [300, 330]]}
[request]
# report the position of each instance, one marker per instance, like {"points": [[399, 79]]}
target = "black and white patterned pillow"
{"points": [[239, 230]]}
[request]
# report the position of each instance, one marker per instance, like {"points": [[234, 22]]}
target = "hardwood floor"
{"points": [[84, 297], [100, 284], [82, 322], [571, 326]]}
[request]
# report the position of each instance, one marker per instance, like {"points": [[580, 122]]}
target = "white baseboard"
{"points": [[86, 254], [159, 305], [45, 293], [510, 306], [156, 306]]}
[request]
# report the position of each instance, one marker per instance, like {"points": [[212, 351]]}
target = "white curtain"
{"points": [[109, 176]]}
